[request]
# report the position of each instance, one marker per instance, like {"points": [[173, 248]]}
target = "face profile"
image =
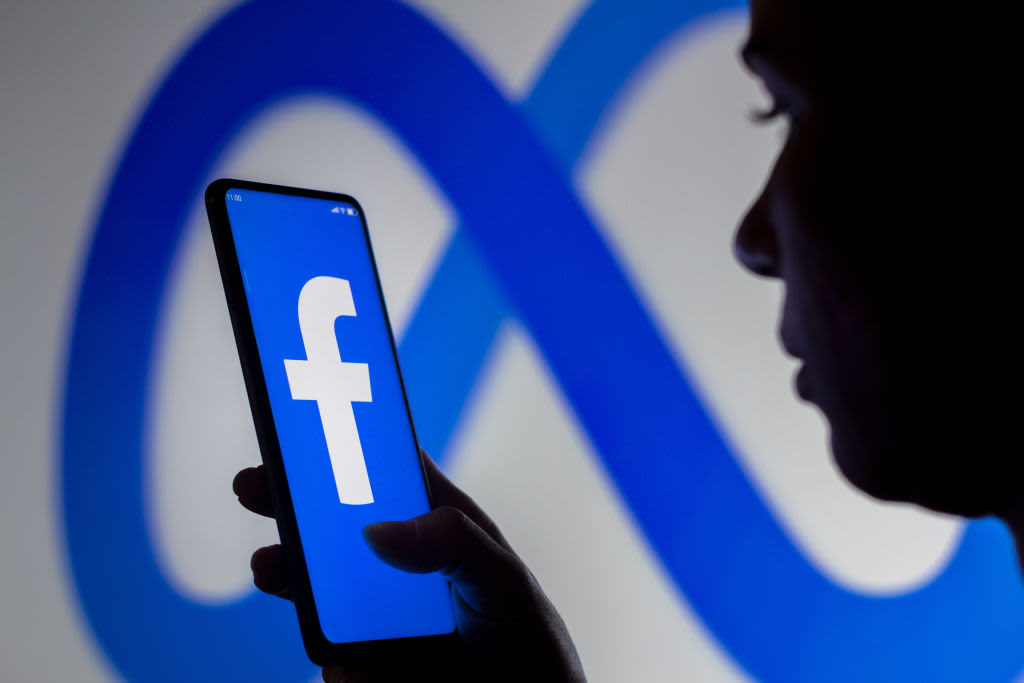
{"points": [[827, 320], [890, 320]]}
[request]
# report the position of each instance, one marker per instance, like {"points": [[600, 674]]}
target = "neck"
{"points": [[1014, 518]]}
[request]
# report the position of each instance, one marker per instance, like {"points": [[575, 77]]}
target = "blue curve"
{"points": [[473, 311], [566, 123]]}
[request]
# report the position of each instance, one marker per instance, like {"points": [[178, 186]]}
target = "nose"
{"points": [[755, 245]]}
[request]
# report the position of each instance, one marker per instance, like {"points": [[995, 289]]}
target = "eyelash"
{"points": [[765, 116]]}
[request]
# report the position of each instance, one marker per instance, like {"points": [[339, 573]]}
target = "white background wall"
{"points": [[668, 179]]}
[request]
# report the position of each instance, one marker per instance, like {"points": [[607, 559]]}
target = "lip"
{"points": [[792, 349], [802, 383]]}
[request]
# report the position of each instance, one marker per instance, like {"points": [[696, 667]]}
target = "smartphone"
{"points": [[330, 409]]}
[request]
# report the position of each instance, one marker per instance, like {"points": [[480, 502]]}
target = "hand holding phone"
{"points": [[509, 630], [341, 456]]}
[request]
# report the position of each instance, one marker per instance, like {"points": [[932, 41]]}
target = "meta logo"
{"points": [[775, 614], [334, 384]]}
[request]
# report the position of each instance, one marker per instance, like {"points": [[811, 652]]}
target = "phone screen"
{"points": [[339, 409]]}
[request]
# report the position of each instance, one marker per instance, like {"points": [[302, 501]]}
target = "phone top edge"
{"points": [[216, 189]]}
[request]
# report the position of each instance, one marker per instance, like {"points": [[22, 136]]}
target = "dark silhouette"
{"points": [[873, 218], [508, 628]]}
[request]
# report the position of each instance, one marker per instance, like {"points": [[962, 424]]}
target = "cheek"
{"points": [[792, 188], [812, 264], [826, 310], [799, 259]]}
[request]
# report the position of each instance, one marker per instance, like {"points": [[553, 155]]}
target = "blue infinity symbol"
{"points": [[775, 614]]}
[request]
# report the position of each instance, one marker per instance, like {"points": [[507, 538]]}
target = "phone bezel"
{"points": [[319, 649]]}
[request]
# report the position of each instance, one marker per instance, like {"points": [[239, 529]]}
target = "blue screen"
{"points": [[349, 453]]}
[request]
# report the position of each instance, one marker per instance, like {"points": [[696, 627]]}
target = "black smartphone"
{"points": [[330, 410]]}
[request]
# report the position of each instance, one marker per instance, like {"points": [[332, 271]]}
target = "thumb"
{"points": [[491, 579]]}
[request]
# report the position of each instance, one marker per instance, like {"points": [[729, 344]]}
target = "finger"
{"points": [[401, 662], [382, 671], [489, 577], [253, 490], [444, 492], [270, 572], [341, 674]]}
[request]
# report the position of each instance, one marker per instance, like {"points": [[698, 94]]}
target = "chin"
{"points": [[940, 476], [869, 469]]}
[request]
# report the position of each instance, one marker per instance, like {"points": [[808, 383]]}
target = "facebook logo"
{"points": [[334, 384]]}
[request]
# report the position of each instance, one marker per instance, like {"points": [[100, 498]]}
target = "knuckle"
{"points": [[452, 520]]}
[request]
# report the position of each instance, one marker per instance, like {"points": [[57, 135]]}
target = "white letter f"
{"points": [[333, 384]]}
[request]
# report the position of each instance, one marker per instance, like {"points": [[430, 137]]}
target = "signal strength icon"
{"points": [[336, 209]]}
